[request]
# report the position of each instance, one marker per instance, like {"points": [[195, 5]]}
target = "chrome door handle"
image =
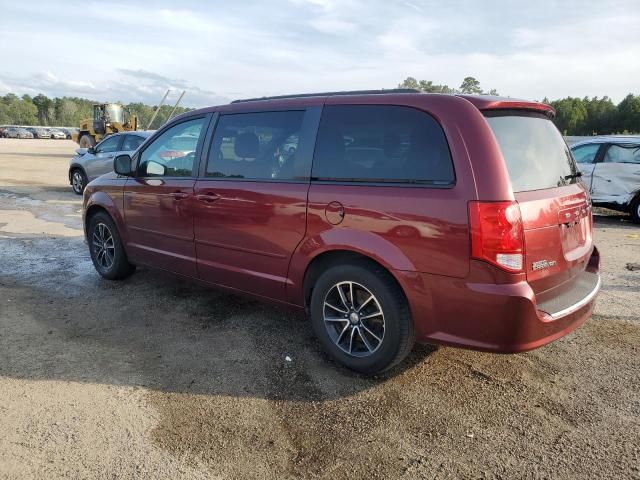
{"points": [[178, 195], [208, 197]]}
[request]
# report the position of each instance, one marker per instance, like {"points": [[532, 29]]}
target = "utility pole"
{"points": [[175, 106], [158, 109]]}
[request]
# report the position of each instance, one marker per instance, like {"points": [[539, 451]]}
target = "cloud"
{"points": [[134, 52]]}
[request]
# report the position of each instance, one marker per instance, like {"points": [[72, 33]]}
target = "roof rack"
{"points": [[331, 94]]}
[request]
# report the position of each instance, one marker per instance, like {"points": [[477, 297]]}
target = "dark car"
{"points": [[390, 217]]}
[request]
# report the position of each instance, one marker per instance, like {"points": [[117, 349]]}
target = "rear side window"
{"points": [[623, 154], [131, 142], [258, 146], [381, 144], [535, 153]]}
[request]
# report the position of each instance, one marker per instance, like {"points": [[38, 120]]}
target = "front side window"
{"points": [[259, 146], [173, 152], [109, 144], [622, 154], [586, 153], [381, 144]]}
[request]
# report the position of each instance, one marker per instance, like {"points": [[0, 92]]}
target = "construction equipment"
{"points": [[107, 118]]}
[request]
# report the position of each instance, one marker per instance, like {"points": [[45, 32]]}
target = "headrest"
{"points": [[247, 145]]}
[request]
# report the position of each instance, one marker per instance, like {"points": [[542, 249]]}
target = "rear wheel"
{"points": [[87, 141], [105, 246], [635, 209], [361, 317], [78, 181]]}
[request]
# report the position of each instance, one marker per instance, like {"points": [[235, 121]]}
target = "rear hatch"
{"points": [[555, 207]]}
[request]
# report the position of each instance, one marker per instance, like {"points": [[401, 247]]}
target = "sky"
{"points": [[222, 50]]}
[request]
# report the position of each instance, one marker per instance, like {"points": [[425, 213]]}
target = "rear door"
{"points": [[617, 177], [250, 202], [555, 206]]}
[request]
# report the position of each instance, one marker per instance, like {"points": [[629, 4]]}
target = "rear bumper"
{"points": [[492, 317]]}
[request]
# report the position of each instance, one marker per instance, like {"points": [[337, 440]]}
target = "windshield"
{"points": [[535, 153], [115, 113]]}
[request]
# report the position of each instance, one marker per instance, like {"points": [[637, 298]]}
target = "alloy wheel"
{"points": [[354, 319], [104, 248], [77, 181]]}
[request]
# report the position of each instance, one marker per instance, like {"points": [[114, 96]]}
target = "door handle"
{"points": [[178, 195], [208, 197]]}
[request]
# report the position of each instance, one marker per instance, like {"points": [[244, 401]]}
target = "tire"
{"points": [[78, 181], [365, 345], [107, 253], [635, 209], [87, 141]]}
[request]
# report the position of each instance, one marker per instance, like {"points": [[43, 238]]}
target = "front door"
{"points": [[251, 200], [586, 157], [158, 200], [103, 154]]}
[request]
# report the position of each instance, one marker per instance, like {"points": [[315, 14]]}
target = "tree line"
{"points": [[574, 116], [68, 111]]}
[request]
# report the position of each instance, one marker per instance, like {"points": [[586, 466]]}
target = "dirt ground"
{"points": [[158, 378]]}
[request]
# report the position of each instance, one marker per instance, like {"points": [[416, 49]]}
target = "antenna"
{"points": [[158, 109]]}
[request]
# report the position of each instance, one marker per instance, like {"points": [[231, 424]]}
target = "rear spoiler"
{"points": [[489, 102]]}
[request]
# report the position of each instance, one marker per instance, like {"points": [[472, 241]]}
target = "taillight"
{"points": [[497, 235]]}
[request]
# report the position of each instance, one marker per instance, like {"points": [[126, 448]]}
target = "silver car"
{"points": [[90, 163], [57, 134], [610, 168]]}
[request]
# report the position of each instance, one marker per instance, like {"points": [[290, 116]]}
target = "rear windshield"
{"points": [[536, 155]]}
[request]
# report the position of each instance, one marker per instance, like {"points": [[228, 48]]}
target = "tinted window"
{"points": [[586, 153], [370, 143], [131, 142], [110, 144], [535, 153], [256, 146], [623, 154], [172, 153]]}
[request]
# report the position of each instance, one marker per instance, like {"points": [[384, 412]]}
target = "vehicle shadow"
{"points": [[61, 321]]}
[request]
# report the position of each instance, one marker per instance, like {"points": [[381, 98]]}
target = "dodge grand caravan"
{"points": [[390, 217]]}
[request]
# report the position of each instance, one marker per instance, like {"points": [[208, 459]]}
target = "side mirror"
{"points": [[91, 150], [156, 169], [122, 165], [81, 151]]}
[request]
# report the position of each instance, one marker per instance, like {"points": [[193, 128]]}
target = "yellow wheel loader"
{"points": [[107, 118]]}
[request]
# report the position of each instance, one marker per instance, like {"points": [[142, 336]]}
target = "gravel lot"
{"points": [[158, 378]]}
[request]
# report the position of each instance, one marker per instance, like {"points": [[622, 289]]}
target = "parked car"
{"points": [[448, 219], [610, 169], [57, 134], [18, 133], [39, 132], [90, 163]]}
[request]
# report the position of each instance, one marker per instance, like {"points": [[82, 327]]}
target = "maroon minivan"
{"points": [[390, 216]]}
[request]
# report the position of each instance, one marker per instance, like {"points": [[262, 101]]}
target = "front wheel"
{"points": [[105, 246], [361, 317], [78, 181]]}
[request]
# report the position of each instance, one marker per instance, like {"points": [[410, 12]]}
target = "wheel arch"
{"points": [[328, 258], [76, 166], [100, 201]]}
